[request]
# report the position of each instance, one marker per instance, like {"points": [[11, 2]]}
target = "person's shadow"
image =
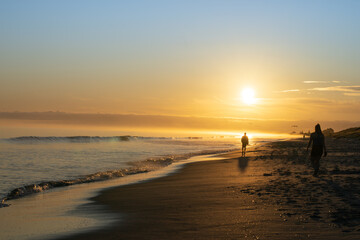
{"points": [[242, 163]]}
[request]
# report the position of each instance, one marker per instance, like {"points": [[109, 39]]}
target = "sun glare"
{"points": [[248, 96]]}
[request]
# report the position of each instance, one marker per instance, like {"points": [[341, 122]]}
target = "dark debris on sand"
{"points": [[332, 198]]}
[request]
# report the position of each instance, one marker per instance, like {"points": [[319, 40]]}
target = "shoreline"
{"points": [[65, 211], [138, 167], [29, 190], [239, 198]]}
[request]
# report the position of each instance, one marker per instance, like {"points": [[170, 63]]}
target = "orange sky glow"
{"points": [[178, 67]]}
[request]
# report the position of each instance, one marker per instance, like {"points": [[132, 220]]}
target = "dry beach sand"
{"points": [[270, 194]]}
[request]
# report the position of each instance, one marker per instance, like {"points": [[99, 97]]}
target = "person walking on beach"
{"points": [[318, 148], [245, 142]]}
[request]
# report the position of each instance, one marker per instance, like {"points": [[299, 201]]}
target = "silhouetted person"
{"points": [[245, 142], [318, 148]]}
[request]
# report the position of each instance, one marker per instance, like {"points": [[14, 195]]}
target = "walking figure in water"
{"points": [[318, 148], [245, 142]]}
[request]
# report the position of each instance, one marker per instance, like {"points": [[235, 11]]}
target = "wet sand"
{"points": [[270, 194]]}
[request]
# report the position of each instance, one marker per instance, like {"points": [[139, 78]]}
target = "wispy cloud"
{"points": [[290, 90], [353, 94], [315, 82], [311, 82], [344, 89]]}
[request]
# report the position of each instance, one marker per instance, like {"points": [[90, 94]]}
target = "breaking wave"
{"points": [[29, 139], [148, 165], [86, 139]]}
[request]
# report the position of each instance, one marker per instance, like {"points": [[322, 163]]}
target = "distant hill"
{"points": [[348, 133]]}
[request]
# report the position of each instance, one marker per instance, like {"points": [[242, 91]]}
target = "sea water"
{"points": [[35, 164], [35, 169]]}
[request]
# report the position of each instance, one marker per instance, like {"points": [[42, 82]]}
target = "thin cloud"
{"points": [[290, 90], [345, 89], [309, 82], [312, 82], [352, 94]]}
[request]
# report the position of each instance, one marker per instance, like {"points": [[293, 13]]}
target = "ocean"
{"points": [[47, 182], [35, 164]]}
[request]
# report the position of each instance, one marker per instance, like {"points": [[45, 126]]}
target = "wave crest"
{"points": [[71, 139], [148, 165]]}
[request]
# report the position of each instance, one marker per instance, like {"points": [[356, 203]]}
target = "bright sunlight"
{"points": [[248, 96]]}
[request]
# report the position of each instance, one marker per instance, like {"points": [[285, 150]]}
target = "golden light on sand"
{"points": [[248, 96]]}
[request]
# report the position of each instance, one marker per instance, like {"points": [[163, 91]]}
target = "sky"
{"points": [[179, 59]]}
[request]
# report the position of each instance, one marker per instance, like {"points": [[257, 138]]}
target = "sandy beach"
{"points": [[124, 119], [270, 194]]}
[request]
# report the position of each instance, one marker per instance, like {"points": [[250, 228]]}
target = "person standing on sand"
{"points": [[245, 142], [318, 148]]}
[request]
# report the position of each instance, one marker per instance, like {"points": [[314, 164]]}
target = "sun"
{"points": [[248, 96]]}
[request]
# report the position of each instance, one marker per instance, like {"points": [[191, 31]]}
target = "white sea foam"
{"points": [[63, 211], [36, 164]]}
